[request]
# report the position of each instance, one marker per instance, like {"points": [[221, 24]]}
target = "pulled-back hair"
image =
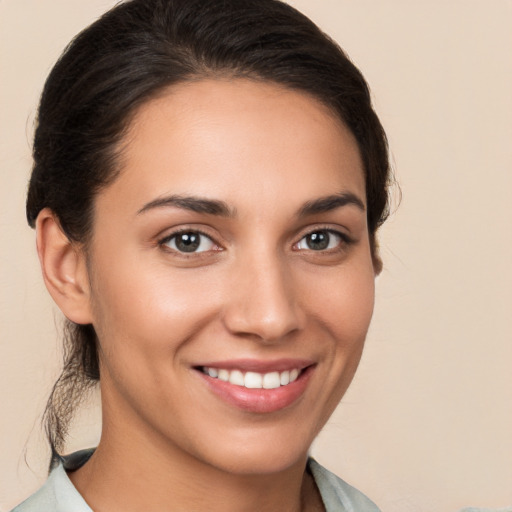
{"points": [[131, 54]]}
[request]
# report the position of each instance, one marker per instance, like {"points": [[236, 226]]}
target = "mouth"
{"points": [[253, 380], [258, 387]]}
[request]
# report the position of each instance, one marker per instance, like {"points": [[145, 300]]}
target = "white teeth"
{"points": [[224, 375], [254, 380], [271, 380], [237, 378]]}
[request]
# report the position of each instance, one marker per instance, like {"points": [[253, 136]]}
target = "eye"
{"points": [[189, 242], [321, 240]]}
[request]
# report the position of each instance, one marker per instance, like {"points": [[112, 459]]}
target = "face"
{"points": [[231, 276]]}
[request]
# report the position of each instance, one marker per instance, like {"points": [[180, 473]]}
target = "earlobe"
{"points": [[375, 252], [64, 269], [377, 264]]}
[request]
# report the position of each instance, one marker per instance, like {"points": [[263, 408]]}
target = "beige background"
{"points": [[427, 424]]}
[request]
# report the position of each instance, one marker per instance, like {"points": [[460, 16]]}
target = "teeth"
{"points": [[236, 377], [254, 380], [271, 380], [223, 375]]}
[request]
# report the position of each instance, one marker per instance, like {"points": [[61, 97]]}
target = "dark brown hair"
{"points": [[131, 54]]}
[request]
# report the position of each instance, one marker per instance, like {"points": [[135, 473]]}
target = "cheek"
{"points": [[341, 305], [142, 322], [147, 315], [349, 315], [342, 301], [352, 306]]}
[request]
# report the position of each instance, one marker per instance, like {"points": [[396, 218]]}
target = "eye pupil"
{"points": [[318, 241], [188, 242]]}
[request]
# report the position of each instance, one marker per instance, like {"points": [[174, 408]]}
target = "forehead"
{"points": [[235, 139]]}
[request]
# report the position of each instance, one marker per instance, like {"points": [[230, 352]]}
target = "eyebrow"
{"points": [[332, 202], [221, 209], [192, 203]]}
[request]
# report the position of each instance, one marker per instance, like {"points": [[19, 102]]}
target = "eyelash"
{"points": [[345, 241], [168, 238]]}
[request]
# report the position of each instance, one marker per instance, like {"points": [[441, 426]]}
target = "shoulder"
{"points": [[58, 494], [475, 509], [336, 494], [44, 500]]}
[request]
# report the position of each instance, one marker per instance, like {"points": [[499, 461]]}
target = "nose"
{"points": [[263, 301]]}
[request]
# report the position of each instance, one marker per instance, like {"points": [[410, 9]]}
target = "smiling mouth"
{"points": [[258, 386], [253, 380]]}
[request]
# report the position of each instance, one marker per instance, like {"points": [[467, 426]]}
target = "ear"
{"points": [[377, 264], [64, 269], [375, 251]]}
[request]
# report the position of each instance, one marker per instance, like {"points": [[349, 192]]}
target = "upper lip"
{"points": [[258, 365]]}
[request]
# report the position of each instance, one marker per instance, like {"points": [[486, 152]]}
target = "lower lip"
{"points": [[259, 400]]}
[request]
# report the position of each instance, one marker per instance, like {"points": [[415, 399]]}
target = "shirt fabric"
{"points": [[473, 509], [58, 494]]}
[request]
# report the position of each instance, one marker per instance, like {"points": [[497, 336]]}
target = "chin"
{"points": [[264, 462], [257, 454]]}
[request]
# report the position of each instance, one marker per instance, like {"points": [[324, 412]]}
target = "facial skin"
{"points": [[256, 291]]}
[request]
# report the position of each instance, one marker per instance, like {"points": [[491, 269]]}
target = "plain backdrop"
{"points": [[427, 423]]}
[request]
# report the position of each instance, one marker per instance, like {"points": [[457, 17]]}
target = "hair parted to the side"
{"points": [[130, 55]]}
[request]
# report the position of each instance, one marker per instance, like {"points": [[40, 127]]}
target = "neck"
{"points": [[138, 473]]}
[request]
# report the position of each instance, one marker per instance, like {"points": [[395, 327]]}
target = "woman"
{"points": [[208, 182]]}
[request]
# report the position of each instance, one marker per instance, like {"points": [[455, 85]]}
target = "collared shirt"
{"points": [[58, 494]]}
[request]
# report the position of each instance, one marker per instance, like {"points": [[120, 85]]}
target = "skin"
{"points": [[256, 291]]}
